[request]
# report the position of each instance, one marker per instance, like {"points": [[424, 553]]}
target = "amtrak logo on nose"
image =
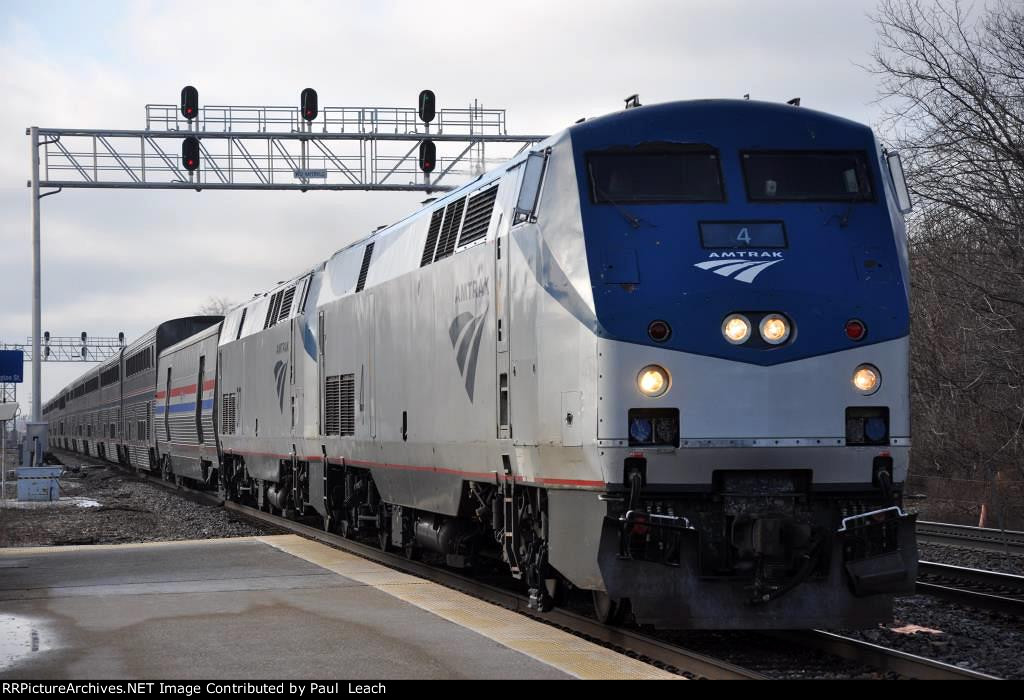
{"points": [[740, 265]]}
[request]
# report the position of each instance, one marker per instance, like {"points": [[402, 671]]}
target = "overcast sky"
{"points": [[126, 260]]}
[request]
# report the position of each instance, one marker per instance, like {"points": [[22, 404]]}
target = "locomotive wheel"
{"points": [[557, 591], [383, 528], [608, 610]]}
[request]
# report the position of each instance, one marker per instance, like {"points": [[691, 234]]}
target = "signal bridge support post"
{"points": [[37, 382]]}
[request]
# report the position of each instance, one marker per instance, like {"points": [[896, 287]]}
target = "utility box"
{"points": [[36, 444], [39, 483]]}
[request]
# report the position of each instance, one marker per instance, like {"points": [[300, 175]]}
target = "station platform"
{"points": [[275, 607]]}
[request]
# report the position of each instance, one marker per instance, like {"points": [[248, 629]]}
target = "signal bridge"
{"points": [[279, 148], [82, 348]]}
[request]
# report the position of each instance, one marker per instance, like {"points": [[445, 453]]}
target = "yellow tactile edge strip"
{"points": [[545, 643]]}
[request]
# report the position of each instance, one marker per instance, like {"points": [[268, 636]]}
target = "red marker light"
{"points": [[659, 331], [855, 330]]}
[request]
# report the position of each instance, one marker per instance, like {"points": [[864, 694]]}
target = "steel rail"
{"points": [[989, 539], [881, 657], [950, 580]]}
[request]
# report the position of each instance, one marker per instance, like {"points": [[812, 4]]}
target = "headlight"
{"points": [[736, 329], [774, 329], [867, 379], [652, 381]]}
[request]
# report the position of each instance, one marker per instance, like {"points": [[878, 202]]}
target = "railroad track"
{"points": [[667, 655], [989, 590], [1007, 541], [880, 657]]}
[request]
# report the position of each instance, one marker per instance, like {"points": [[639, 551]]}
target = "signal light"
{"points": [[189, 102], [308, 104], [428, 156], [427, 106], [190, 153]]}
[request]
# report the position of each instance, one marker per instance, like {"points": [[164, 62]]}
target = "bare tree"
{"points": [[216, 306], [952, 80]]}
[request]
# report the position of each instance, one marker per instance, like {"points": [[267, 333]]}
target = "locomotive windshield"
{"points": [[807, 176], [662, 174]]}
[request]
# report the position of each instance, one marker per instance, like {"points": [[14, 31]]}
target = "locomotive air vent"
{"points": [[478, 216], [339, 405], [432, 232], [228, 414], [272, 310], [452, 222], [365, 268], [286, 304]]}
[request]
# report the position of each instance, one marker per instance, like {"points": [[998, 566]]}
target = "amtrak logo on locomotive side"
{"points": [[474, 289], [750, 264], [280, 373], [467, 328]]}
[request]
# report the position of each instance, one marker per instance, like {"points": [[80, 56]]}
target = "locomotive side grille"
{"points": [[340, 405], [348, 404], [228, 414], [478, 216], [272, 310], [286, 304], [435, 228], [365, 268], [452, 221], [332, 405]]}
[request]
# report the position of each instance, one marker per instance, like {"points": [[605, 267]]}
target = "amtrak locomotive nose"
{"points": [[766, 237]]}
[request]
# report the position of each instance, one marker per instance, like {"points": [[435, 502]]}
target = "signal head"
{"points": [[308, 104], [190, 153], [427, 106], [189, 102], [428, 156]]}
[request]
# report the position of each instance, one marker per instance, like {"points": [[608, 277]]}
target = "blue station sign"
{"points": [[12, 366]]}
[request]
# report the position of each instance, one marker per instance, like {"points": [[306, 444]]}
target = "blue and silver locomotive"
{"points": [[662, 357]]}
